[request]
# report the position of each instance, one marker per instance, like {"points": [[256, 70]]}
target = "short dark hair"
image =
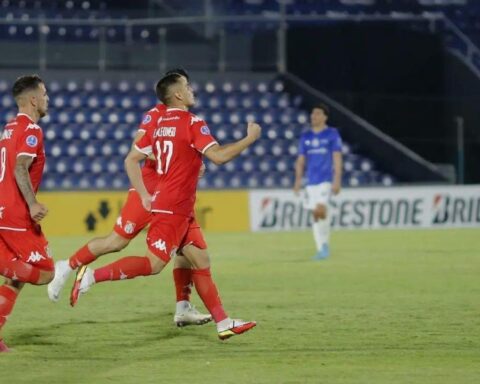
{"points": [[323, 107], [180, 71], [26, 83], [164, 85]]}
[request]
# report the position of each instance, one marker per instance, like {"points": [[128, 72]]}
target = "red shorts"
{"points": [[30, 246], [170, 233], [133, 217]]}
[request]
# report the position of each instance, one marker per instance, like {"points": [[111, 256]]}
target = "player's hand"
{"points": [[202, 171], [254, 131], [38, 211], [336, 187], [147, 202]]}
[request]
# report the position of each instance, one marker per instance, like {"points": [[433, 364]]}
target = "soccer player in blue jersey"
{"points": [[320, 152]]}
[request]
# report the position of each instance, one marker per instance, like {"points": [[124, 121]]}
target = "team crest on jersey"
{"points": [[147, 119], [205, 130], [315, 142], [129, 227], [32, 141]]}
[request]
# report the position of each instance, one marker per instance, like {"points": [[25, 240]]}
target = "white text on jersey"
{"points": [[7, 134], [165, 132]]}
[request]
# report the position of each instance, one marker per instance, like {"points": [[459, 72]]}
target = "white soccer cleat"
{"points": [[62, 272], [191, 316], [82, 284], [236, 327]]}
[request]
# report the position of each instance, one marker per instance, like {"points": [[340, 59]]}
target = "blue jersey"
{"points": [[318, 148]]}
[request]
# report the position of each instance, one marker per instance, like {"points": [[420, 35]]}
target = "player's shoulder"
{"points": [[23, 123], [153, 113], [334, 132], [306, 134], [188, 116]]}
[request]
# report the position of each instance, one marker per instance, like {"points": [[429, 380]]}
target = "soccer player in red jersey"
{"points": [[132, 220], [24, 253], [177, 143]]}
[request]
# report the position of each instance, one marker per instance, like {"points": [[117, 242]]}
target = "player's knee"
{"points": [[202, 260], [157, 265], [115, 244], [320, 212], [45, 277]]}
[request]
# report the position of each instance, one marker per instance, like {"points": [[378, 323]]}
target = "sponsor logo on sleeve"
{"points": [[205, 130], [32, 141], [195, 119], [147, 119], [32, 126]]}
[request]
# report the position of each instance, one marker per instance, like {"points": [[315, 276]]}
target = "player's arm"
{"points": [[221, 154], [134, 172], [37, 211], [299, 170], [202, 171], [337, 172], [136, 139]]}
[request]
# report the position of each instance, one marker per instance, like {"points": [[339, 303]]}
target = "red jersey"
{"points": [[21, 136], [149, 121], [177, 142]]}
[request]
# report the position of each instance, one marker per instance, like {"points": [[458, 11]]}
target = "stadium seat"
{"points": [[89, 132]]}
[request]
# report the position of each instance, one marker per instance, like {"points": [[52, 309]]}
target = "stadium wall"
{"points": [[372, 208], [95, 213]]}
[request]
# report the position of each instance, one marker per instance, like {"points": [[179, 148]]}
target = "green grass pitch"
{"points": [[387, 307]]}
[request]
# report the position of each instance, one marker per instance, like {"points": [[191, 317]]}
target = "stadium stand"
{"points": [[90, 128]]}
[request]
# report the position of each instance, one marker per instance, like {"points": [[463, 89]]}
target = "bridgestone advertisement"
{"points": [[372, 208]]}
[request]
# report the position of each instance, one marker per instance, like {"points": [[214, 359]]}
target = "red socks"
{"points": [[183, 283], [18, 270], [126, 268], [82, 257], [7, 301], [202, 278]]}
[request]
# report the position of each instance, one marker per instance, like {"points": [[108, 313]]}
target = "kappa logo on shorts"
{"points": [[35, 257], [160, 245], [129, 227], [32, 141]]}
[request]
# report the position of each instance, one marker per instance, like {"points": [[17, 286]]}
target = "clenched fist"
{"points": [[254, 131]]}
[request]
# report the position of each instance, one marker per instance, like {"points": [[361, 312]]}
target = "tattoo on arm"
{"points": [[23, 179]]}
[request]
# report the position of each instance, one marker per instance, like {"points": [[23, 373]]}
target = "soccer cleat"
{"points": [[323, 253], [62, 272], [191, 316], [237, 327], [83, 281], [4, 348]]}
